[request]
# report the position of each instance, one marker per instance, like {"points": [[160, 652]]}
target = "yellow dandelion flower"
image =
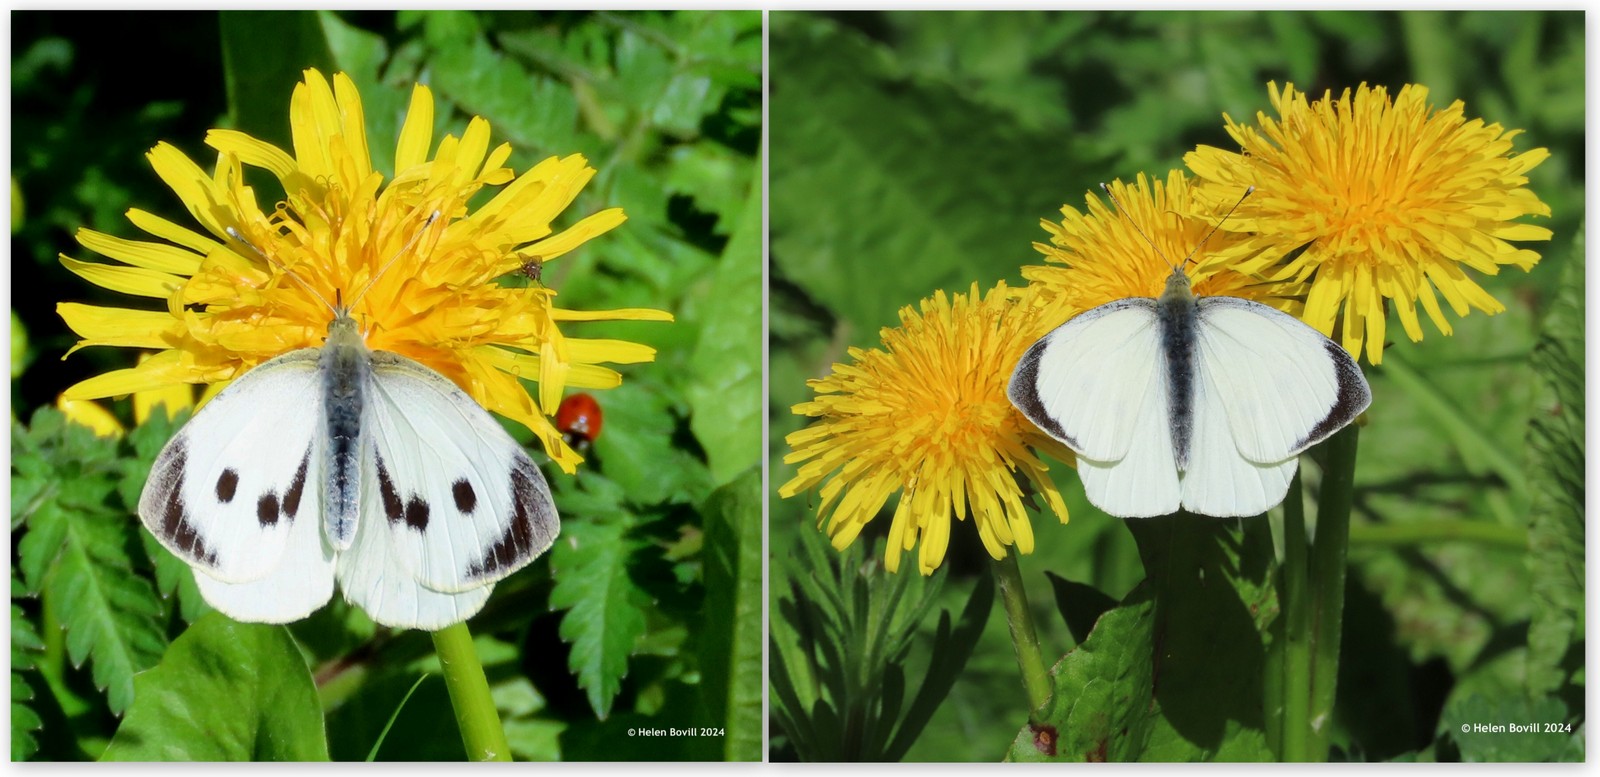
{"points": [[340, 231], [1100, 256], [928, 415], [1395, 198]]}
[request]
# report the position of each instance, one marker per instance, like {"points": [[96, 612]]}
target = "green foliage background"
{"points": [[647, 613], [918, 151]]}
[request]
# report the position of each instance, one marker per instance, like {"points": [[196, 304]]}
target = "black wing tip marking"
{"points": [[1354, 397], [534, 524], [180, 534], [1024, 394]]}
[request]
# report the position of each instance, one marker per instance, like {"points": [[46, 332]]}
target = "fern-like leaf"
{"points": [[76, 552], [605, 610]]}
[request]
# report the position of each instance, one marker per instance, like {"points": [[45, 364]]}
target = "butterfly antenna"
{"points": [[432, 217], [1247, 192], [1123, 212], [237, 235]]}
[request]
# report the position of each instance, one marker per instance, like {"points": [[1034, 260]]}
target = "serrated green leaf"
{"points": [[730, 662], [25, 644], [226, 691], [1556, 473], [1100, 693], [75, 551], [111, 614], [726, 389], [605, 610]]}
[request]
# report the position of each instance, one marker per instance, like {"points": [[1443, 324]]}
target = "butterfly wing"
{"points": [[374, 578], [300, 584], [1098, 384], [1267, 387], [1090, 381], [456, 501], [231, 490], [1282, 385]]}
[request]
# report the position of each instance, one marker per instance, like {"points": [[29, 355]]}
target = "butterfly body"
{"points": [[344, 463], [1199, 403]]}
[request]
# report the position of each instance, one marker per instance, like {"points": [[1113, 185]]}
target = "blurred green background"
{"points": [[648, 609], [918, 151]]}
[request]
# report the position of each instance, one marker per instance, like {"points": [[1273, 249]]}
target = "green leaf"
{"points": [[25, 644], [1080, 604], [226, 691], [605, 610], [952, 646], [1100, 695], [726, 390], [730, 663], [1148, 683], [1556, 481], [76, 550]]}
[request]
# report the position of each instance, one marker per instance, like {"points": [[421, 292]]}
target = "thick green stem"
{"points": [[476, 716], [1296, 604], [1327, 582], [1313, 603], [1035, 679]]}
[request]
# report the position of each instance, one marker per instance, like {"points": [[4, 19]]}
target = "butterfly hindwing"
{"points": [[230, 490], [461, 502], [300, 584], [373, 578]]}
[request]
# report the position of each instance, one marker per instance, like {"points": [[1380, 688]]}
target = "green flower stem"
{"points": [[1313, 602], [1327, 582], [1030, 658], [476, 716], [1296, 728]]}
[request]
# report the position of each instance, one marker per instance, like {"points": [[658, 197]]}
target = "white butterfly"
{"points": [[1203, 403], [344, 463]]}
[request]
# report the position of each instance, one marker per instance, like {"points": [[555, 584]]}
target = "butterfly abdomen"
{"points": [[1178, 319], [347, 371]]}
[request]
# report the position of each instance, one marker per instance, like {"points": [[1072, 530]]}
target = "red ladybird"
{"points": [[578, 419]]}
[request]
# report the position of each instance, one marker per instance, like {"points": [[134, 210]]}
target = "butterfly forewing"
{"points": [[229, 490], [1282, 385], [1092, 379], [464, 506]]}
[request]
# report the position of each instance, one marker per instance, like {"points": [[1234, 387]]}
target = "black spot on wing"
{"points": [[227, 485], [297, 487], [417, 514], [268, 509], [175, 525], [1354, 396], [533, 524], [393, 508], [466, 498]]}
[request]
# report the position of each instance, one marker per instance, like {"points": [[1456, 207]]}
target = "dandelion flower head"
{"points": [[1395, 199], [927, 416], [252, 284]]}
